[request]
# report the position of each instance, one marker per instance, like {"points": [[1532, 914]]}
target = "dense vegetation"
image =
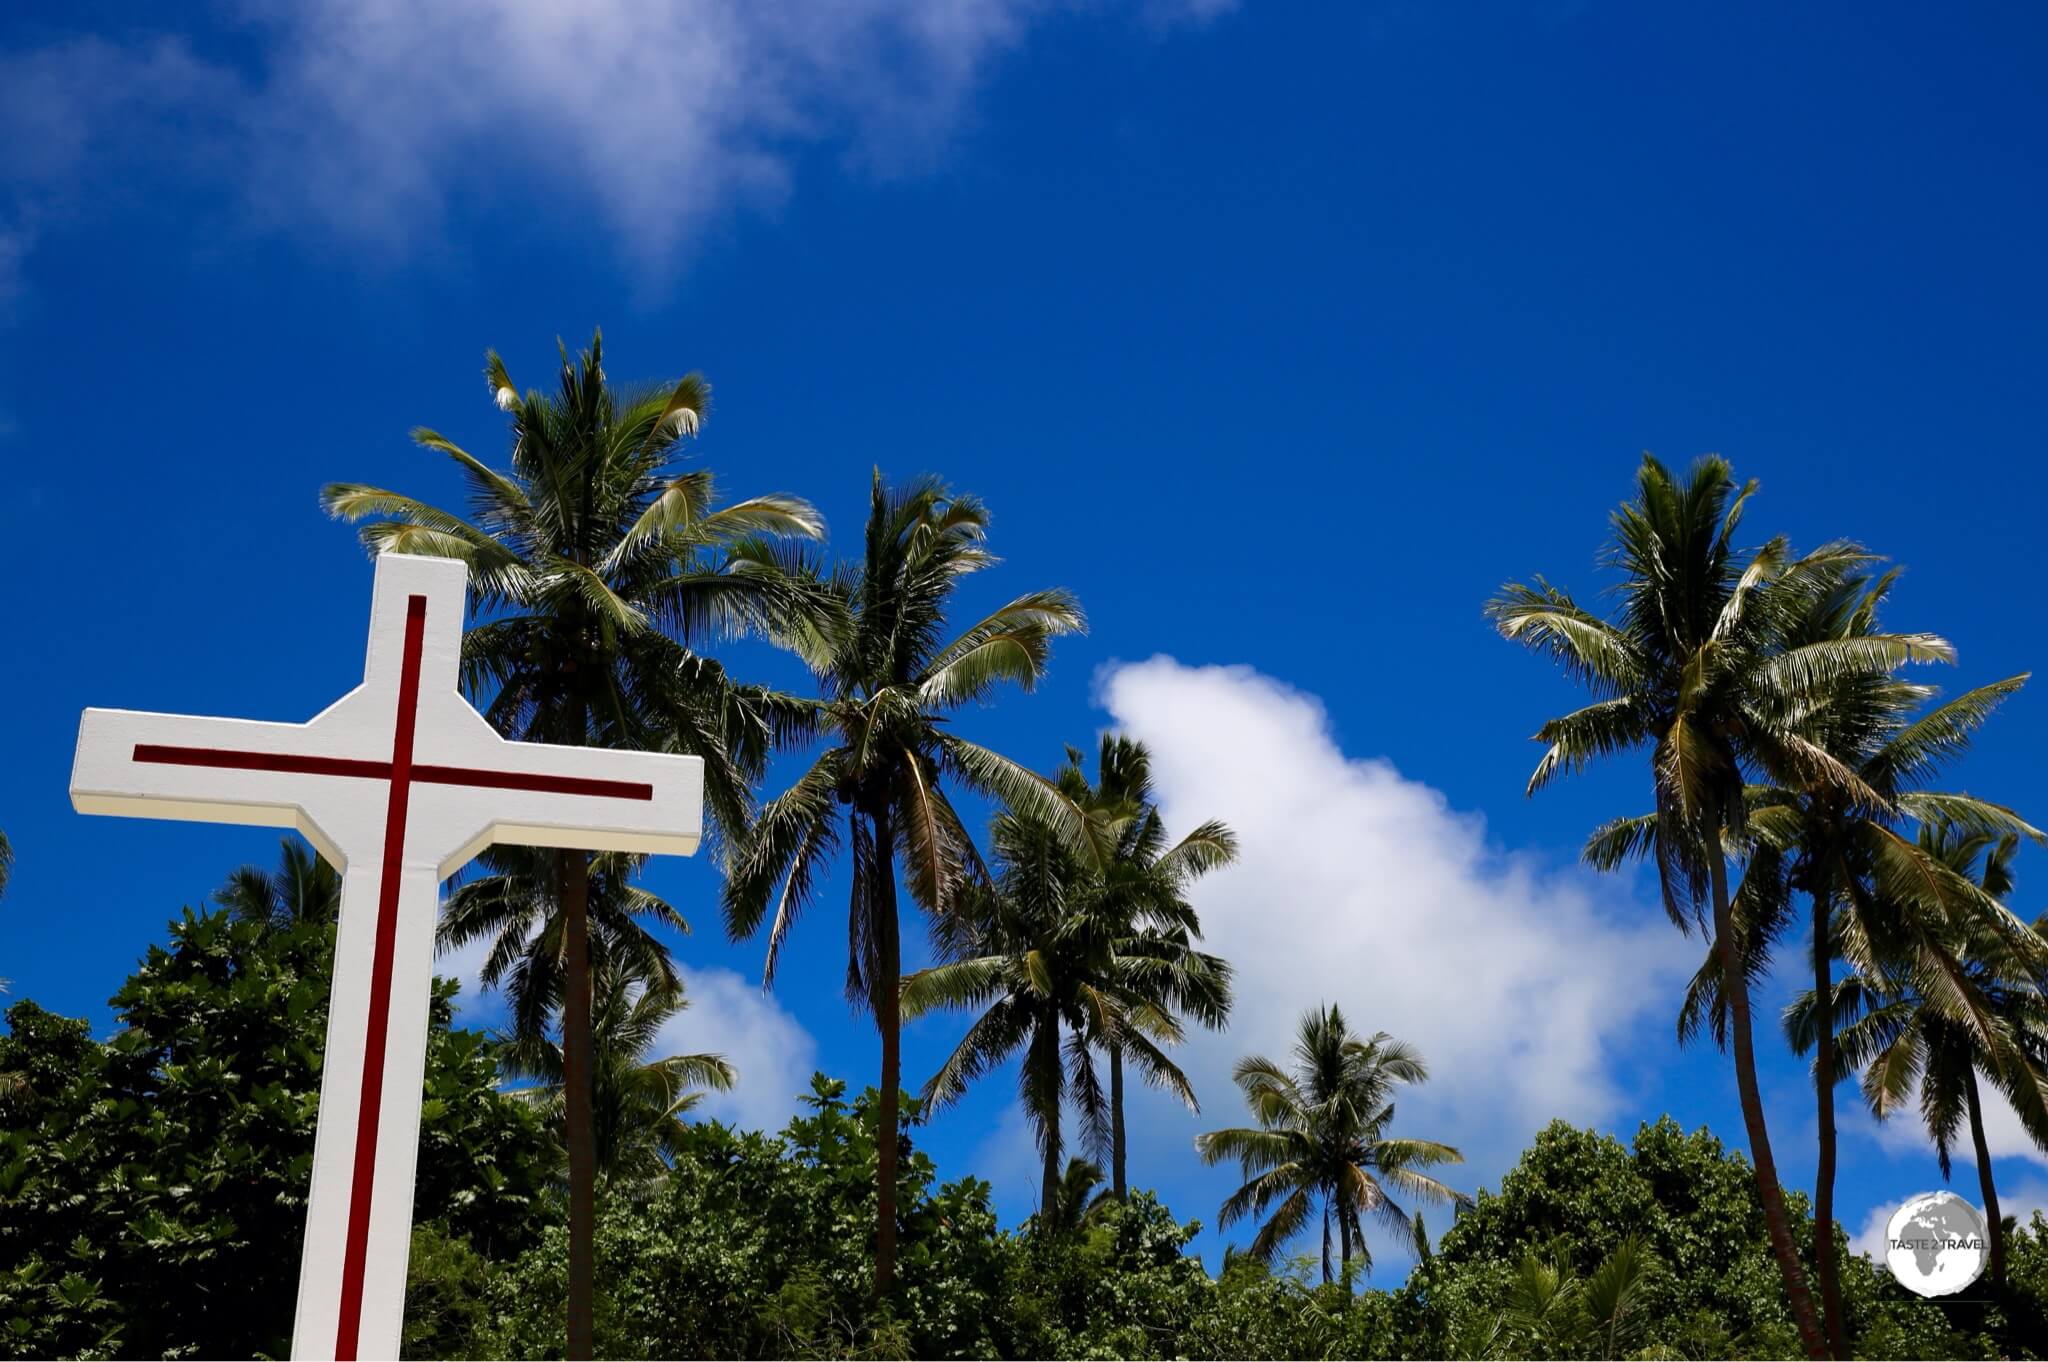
{"points": [[152, 1186]]}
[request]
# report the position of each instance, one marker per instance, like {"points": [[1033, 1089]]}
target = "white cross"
{"points": [[398, 783]]}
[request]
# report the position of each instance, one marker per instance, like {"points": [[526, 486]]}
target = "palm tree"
{"points": [[1077, 1202], [303, 888], [1551, 1311], [1695, 668], [596, 567], [1837, 840], [514, 904], [1037, 954], [1141, 885], [1913, 1037], [1322, 1137], [637, 1104], [890, 683]]}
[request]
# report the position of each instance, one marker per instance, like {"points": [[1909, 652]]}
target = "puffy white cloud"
{"points": [[730, 1015], [1519, 983], [365, 118]]}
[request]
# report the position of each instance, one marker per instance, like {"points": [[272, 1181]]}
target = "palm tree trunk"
{"points": [[1344, 1239], [888, 999], [1117, 1183], [1825, 1264], [1049, 1183], [574, 871], [1735, 988], [1326, 1241], [1992, 1220]]}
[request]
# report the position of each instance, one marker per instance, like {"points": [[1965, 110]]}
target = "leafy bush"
{"points": [[153, 1188], [152, 1195]]}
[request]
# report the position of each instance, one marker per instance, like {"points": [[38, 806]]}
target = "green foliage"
{"points": [[760, 1246], [1706, 1284], [153, 1188]]}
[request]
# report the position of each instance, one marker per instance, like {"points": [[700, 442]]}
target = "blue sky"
{"points": [[1281, 334]]}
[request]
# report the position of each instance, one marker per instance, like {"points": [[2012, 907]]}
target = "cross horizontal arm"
{"points": [[117, 771]]}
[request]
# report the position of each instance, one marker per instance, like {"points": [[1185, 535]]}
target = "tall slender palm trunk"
{"points": [[1994, 1222], [1044, 1061], [1117, 1182], [1826, 1267], [1326, 1241], [888, 1000], [574, 870], [1735, 988]]}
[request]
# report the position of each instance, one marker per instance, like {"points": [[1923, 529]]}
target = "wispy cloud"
{"points": [[368, 119]]}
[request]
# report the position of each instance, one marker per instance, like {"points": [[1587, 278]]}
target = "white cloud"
{"points": [[366, 118], [731, 1016], [1869, 1241], [1361, 887]]}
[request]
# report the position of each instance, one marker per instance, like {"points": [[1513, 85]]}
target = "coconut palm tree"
{"points": [[512, 901], [1322, 1138], [1870, 888], [1037, 955], [1077, 1202], [303, 888], [1913, 1035], [1695, 668], [1140, 884], [638, 1104], [891, 682], [596, 568]]}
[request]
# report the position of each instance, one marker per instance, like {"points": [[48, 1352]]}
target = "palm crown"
{"points": [[515, 904], [1322, 1135], [1038, 953], [595, 565], [303, 888]]}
